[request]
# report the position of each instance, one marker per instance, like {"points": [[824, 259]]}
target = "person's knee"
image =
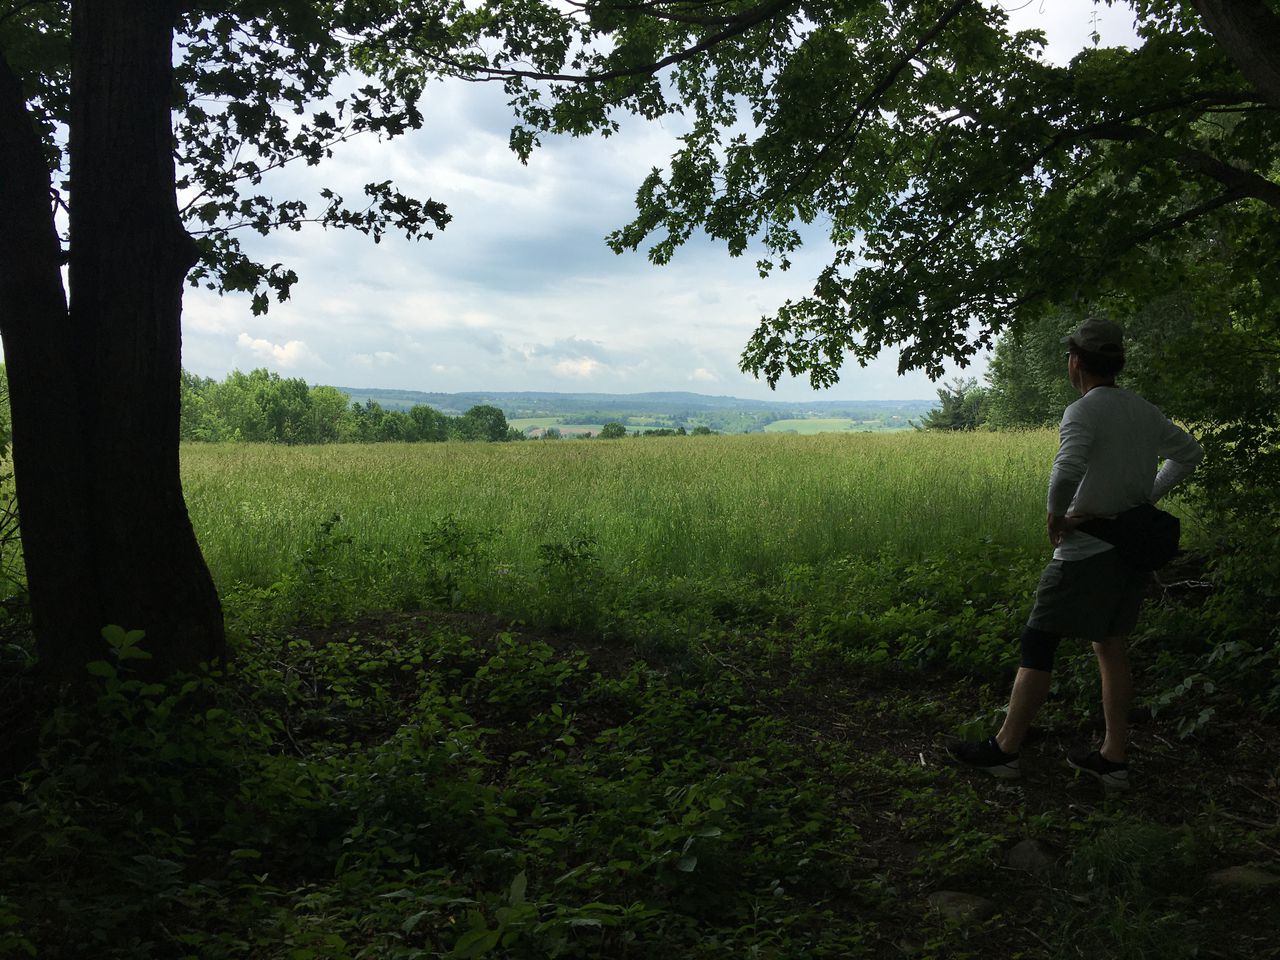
{"points": [[1112, 653], [1038, 648], [1112, 650]]}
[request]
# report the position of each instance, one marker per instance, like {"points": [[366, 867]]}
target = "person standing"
{"points": [[1111, 442]]}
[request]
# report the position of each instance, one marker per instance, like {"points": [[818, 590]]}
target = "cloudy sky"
{"points": [[520, 292]]}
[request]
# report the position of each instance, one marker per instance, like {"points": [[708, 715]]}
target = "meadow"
{"points": [[705, 506], [680, 697]]}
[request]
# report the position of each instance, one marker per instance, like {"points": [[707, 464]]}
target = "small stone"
{"points": [[1245, 878], [961, 906], [1031, 856]]}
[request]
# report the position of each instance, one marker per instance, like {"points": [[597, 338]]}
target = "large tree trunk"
{"points": [[95, 388], [1249, 31]]}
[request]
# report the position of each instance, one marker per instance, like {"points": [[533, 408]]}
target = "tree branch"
{"points": [[30, 251], [1240, 183], [1187, 216], [347, 134]]}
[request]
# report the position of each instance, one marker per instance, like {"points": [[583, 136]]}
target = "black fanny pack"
{"points": [[1145, 536]]}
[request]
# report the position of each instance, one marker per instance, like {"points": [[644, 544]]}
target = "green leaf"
{"points": [[124, 643], [518, 887], [411, 923], [475, 943], [100, 668]]}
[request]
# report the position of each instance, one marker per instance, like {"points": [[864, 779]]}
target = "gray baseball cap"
{"points": [[1097, 336]]}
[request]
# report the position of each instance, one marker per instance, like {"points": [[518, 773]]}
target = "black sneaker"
{"points": [[986, 755], [1112, 775]]}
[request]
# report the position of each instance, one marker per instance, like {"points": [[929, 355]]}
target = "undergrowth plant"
{"points": [[454, 558]]}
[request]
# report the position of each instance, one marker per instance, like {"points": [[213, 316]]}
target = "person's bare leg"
{"points": [[1117, 694], [1030, 688]]}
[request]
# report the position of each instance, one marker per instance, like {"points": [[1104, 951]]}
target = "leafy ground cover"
{"points": [[681, 767]]}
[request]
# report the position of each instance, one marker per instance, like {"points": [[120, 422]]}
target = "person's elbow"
{"points": [[1070, 467], [1190, 455]]}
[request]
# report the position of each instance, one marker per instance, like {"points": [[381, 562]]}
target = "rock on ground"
{"points": [[955, 905], [1032, 856], [1244, 877]]}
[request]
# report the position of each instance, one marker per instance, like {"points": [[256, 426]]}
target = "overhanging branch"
{"points": [[1182, 219], [739, 26], [1239, 182]]}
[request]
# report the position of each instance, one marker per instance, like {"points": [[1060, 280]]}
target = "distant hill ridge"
{"points": [[532, 403]]}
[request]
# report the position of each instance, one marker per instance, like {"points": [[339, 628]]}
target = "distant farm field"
{"points": [[808, 425], [523, 424], [681, 505]]}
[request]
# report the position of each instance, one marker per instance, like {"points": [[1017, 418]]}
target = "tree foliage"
{"points": [[965, 182], [613, 431], [962, 406], [257, 87], [261, 406], [1028, 386]]}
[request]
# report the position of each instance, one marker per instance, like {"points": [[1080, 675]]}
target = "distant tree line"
{"points": [[615, 431], [261, 406]]}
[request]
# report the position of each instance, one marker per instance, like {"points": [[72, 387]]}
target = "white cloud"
{"points": [[582, 368], [703, 375], [381, 358], [286, 355], [211, 314]]}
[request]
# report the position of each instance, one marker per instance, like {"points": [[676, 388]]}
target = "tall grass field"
{"points": [[728, 505]]}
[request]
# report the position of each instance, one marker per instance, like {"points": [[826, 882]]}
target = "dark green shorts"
{"points": [[1090, 599]]}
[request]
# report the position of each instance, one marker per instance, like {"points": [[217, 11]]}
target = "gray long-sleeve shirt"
{"points": [[1112, 441]]}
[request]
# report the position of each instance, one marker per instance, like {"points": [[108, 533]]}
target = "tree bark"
{"points": [[94, 383], [47, 441], [1249, 31]]}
